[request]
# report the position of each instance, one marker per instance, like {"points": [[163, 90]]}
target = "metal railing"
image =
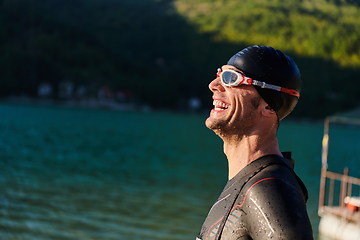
{"points": [[346, 182], [346, 189]]}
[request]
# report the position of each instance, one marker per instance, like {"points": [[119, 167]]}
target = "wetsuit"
{"points": [[265, 200]]}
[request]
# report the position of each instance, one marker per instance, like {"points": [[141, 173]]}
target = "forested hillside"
{"points": [[166, 51]]}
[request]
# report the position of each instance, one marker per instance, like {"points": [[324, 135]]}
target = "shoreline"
{"points": [[98, 104]]}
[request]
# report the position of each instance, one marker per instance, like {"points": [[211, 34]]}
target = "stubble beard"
{"points": [[217, 125], [228, 128]]}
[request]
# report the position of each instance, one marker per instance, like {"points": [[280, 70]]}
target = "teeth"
{"points": [[220, 105]]}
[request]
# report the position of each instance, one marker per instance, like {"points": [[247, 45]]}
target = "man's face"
{"points": [[235, 109]]}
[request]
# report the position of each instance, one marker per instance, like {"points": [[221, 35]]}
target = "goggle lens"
{"points": [[229, 77]]}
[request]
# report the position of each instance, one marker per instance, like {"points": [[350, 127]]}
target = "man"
{"points": [[263, 199]]}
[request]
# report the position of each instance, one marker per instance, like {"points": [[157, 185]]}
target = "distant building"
{"points": [[66, 89], [45, 90], [105, 93], [81, 91], [124, 96]]}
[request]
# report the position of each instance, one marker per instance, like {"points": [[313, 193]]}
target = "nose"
{"points": [[215, 85]]}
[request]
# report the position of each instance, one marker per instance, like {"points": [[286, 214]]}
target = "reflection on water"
{"points": [[86, 174]]}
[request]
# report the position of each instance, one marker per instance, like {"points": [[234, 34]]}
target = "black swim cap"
{"points": [[271, 66]]}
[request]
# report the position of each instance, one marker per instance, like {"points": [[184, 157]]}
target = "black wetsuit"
{"points": [[265, 200]]}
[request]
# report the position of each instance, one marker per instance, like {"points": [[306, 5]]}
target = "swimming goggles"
{"points": [[231, 78]]}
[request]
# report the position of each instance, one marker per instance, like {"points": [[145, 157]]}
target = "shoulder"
{"points": [[273, 201], [276, 187], [276, 179]]}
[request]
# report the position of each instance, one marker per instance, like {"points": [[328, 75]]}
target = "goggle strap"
{"points": [[277, 88], [266, 85], [291, 92]]}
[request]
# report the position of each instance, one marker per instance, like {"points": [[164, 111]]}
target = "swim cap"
{"points": [[271, 66]]}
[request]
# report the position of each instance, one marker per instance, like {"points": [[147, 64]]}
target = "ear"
{"points": [[267, 111]]}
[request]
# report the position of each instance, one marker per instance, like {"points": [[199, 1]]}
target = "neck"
{"points": [[240, 151]]}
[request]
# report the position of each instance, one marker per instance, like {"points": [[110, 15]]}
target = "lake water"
{"points": [[99, 174]]}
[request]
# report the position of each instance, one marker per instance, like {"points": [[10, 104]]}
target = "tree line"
{"points": [[167, 51]]}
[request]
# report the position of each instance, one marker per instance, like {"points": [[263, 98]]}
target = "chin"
{"points": [[213, 124], [209, 123]]}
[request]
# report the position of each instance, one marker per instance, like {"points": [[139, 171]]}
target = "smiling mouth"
{"points": [[219, 105]]}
